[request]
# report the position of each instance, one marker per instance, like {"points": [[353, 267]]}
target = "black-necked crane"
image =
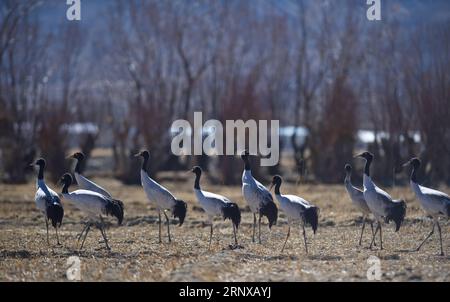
{"points": [[380, 203], [296, 209], [357, 198], [47, 201], [160, 197], [258, 198], [433, 202], [216, 205], [94, 205], [82, 181]]}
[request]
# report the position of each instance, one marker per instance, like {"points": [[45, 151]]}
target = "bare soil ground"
{"points": [[334, 253]]}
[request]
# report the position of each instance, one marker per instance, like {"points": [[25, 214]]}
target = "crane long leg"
{"points": [[159, 221], [287, 236], [373, 237], [362, 230], [102, 230], [371, 227], [168, 226], [254, 227], [304, 237], [85, 235], [57, 237], [235, 237], [426, 238], [381, 237], [259, 228], [82, 231], [210, 236], [440, 237], [46, 224], [105, 238]]}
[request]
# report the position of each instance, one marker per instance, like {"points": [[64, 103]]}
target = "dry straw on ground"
{"points": [[137, 256]]}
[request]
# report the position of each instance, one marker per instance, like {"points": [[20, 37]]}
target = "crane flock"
{"points": [[96, 202]]}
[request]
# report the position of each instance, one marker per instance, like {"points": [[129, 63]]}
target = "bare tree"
{"points": [[427, 84], [24, 73]]}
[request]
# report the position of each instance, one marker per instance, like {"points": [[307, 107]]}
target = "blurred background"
{"points": [[113, 83]]}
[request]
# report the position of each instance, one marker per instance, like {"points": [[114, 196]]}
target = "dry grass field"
{"points": [[334, 253]]}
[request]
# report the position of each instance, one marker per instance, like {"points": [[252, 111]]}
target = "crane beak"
{"points": [[69, 157], [271, 186], [406, 164], [137, 155], [358, 155]]}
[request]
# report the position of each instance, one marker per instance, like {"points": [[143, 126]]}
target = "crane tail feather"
{"points": [[270, 210], [115, 208], [179, 210], [397, 213], [311, 216], [231, 211], [55, 214]]}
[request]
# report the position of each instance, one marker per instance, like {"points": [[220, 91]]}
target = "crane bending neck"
{"points": [[197, 181], [367, 167], [41, 172]]}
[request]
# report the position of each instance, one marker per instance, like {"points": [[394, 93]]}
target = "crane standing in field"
{"points": [[48, 202], [216, 205], [257, 197], [94, 205], [379, 202], [434, 203], [296, 209], [85, 183], [161, 197], [82, 181], [357, 198]]}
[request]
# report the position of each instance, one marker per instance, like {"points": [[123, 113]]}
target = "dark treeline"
{"points": [[143, 64]]}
